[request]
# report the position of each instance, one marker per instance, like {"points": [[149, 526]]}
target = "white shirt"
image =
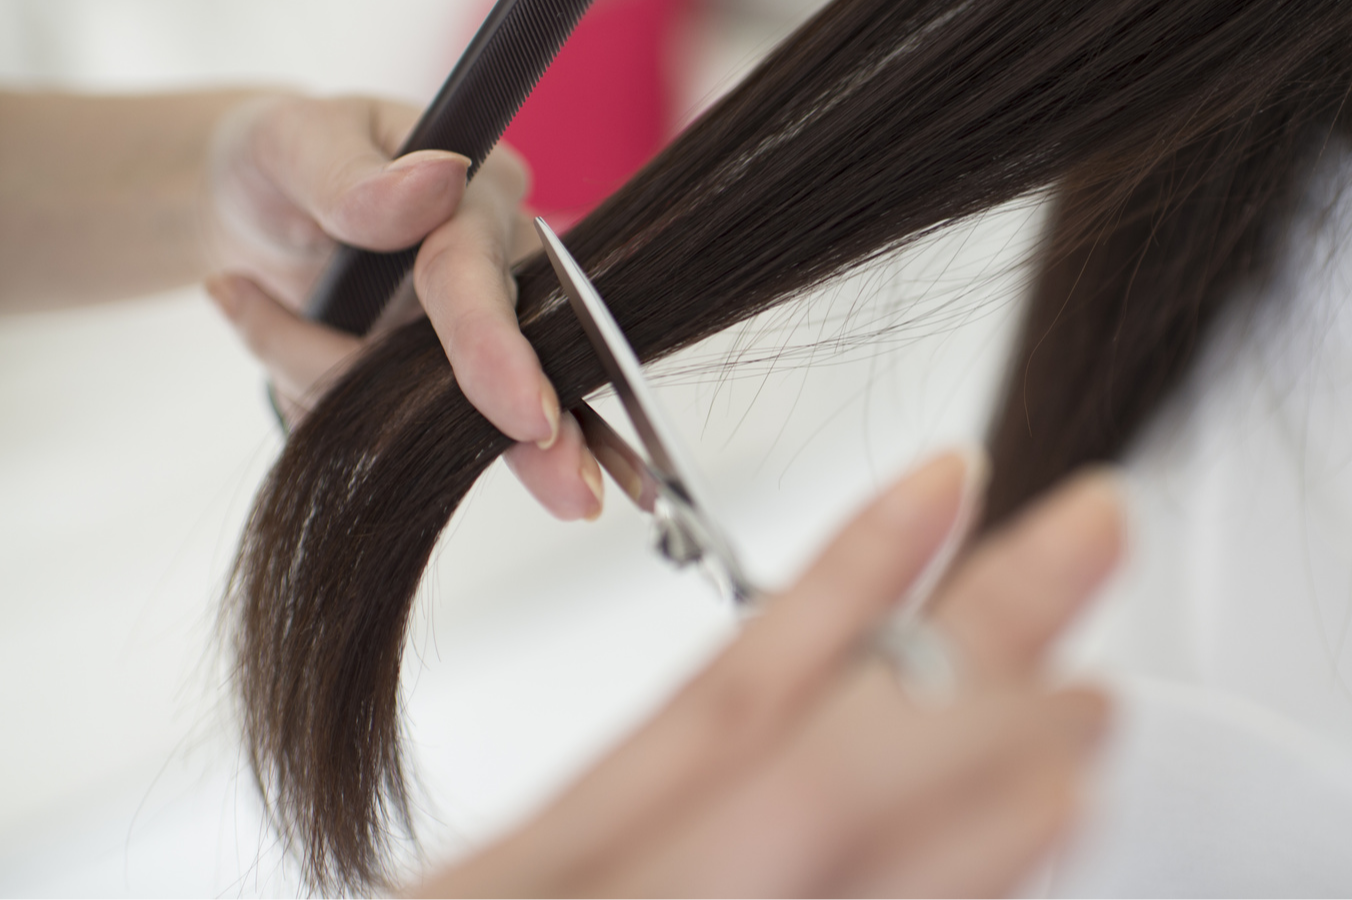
{"points": [[1227, 633]]}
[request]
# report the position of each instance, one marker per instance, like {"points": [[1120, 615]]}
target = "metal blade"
{"points": [[621, 364]]}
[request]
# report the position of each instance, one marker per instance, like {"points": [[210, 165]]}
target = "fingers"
{"points": [[853, 585], [1022, 586], [795, 764], [464, 281], [565, 478], [463, 278], [294, 174], [332, 159], [301, 356], [868, 779], [984, 847], [740, 702]]}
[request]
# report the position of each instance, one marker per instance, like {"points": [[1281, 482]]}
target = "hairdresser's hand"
{"points": [[796, 764], [290, 176]]}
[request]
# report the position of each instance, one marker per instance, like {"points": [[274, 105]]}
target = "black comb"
{"points": [[510, 52]]}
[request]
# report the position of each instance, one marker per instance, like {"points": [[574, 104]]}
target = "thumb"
{"points": [[327, 157]]}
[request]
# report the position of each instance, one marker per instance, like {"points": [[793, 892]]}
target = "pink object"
{"points": [[604, 107]]}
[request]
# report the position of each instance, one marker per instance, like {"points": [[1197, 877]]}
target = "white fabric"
{"points": [[1229, 628], [1205, 794]]}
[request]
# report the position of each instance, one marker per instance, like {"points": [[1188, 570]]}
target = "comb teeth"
{"points": [[507, 57]]}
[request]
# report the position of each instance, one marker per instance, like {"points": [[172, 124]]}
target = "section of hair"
{"points": [[1127, 288], [878, 122]]}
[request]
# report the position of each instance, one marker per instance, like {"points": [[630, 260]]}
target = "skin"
{"points": [[797, 762], [250, 192]]}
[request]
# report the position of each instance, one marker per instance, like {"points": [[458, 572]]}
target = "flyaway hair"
{"points": [[1170, 131]]}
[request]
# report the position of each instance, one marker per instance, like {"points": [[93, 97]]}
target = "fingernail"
{"points": [[975, 474], [221, 289], [549, 402], [591, 474], [418, 157]]}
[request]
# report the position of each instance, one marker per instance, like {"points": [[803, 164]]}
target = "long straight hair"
{"points": [[1170, 131]]}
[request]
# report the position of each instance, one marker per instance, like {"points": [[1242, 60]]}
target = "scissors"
{"points": [[666, 485]]}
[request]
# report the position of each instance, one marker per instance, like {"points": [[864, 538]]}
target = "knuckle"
{"points": [[348, 207], [467, 338], [459, 277], [468, 233], [472, 339], [429, 268]]}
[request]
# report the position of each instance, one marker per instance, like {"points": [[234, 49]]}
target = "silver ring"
{"points": [[922, 658]]}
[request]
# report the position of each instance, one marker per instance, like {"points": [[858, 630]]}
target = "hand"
{"points": [[290, 176], [797, 764]]}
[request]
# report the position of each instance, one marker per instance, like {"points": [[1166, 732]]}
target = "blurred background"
{"points": [[132, 438]]}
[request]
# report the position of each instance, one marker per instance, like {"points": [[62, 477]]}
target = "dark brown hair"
{"points": [[1170, 130]]}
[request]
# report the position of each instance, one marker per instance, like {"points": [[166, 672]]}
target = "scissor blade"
{"points": [[619, 361], [630, 470], [668, 486]]}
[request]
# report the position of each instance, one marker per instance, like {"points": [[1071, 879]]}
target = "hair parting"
{"points": [[1171, 132]]}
